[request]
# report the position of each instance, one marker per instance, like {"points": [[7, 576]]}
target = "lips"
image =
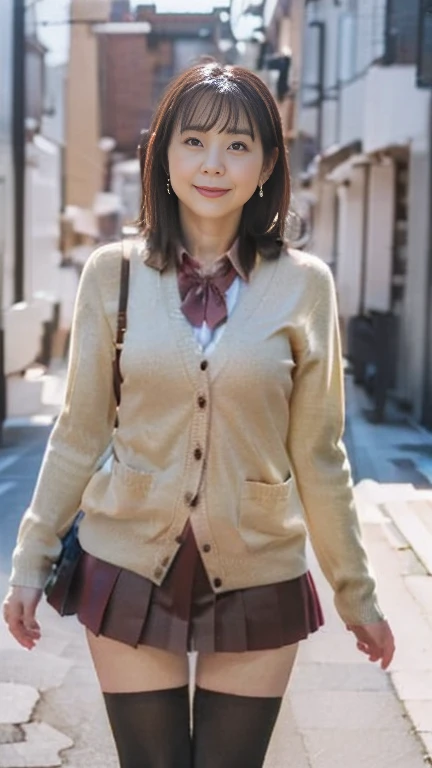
{"points": [[211, 191]]}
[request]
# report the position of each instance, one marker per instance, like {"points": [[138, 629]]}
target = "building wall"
{"points": [[351, 112], [129, 72], [395, 110], [379, 105], [353, 41], [350, 243], [322, 241], [135, 69], [84, 160], [53, 122], [403, 119], [379, 250], [323, 13], [43, 204]]}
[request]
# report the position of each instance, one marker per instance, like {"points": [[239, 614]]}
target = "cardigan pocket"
{"points": [[118, 491], [265, 515]]}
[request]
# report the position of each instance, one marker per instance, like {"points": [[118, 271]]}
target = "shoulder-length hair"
{"points": [[230, 96]]}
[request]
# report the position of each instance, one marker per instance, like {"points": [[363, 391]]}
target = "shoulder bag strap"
{"points": [[121, 320]]}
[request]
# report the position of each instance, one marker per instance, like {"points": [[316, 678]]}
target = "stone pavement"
{"points": [[340, 709]]}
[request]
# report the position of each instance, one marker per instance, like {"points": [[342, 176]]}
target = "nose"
{"points": [[212, 164]]}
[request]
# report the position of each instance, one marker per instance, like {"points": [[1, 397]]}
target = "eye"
{"points": [[238, 146], [193, 142]]}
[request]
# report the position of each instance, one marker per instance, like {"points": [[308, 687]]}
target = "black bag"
{"points": [[58, 587]]}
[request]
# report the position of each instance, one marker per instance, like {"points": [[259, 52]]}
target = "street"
{"points": [[340, 709]]}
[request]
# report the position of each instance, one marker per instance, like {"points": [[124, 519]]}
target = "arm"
{"points": [[320, 463], [81, 435]]}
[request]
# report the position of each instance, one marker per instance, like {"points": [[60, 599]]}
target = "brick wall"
{"points": [[127, 73], [134, 69]]}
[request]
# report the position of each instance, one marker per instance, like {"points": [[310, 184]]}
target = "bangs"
{"points": [[210, 106]]}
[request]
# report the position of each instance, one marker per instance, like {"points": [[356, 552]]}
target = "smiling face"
{"points": [[217, 134], [215, 160]]}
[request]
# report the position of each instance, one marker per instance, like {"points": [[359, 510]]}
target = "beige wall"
{"points": [[322, 240], [395, 110], [296, 44], [350, 243], [84, 159], [379, 249]]}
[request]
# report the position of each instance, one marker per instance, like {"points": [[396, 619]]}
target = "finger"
{"points": [[362, 647], [15, 622], [368, 645], [370, 650], [387, 655], [20, 633], [374, 656]]}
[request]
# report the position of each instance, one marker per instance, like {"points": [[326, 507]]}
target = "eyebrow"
{"points": [[231, 131]]}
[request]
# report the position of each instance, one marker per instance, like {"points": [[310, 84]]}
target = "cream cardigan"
{"points": [[247, 444]]}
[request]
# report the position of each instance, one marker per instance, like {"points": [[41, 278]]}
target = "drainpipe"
{"points": [[320, 25], [363, 275]]}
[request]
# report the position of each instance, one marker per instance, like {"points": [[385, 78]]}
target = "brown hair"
{"points": [[235, 94]]}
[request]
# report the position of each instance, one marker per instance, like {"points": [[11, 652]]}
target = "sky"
{"points": [[56, 37]]}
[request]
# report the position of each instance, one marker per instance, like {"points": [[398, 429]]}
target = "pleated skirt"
{"points": [[184, 614]]}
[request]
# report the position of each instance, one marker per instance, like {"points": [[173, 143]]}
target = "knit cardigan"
{"points": [[247, 444]]}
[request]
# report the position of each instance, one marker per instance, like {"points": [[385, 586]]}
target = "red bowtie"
{"points": [[203, 296]]}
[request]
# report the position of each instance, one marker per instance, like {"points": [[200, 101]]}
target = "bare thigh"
{"points": [[252, 673], [122, 669]]}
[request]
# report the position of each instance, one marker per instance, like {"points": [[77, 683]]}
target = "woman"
{"points": [[228, 443]]}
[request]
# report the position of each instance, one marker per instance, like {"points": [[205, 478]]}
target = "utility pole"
{"points": [[18, 137]]}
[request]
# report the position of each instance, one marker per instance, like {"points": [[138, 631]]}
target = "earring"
{"points": [[261, 193], [168, 187]]}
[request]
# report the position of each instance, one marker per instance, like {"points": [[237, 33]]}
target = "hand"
{"points": [[19, 611], [376, 641]]}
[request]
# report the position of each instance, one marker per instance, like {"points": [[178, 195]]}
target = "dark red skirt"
{"points": [[184, 614]]}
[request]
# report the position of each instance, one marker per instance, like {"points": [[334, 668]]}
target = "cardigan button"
{"points": [[179, 540], [158, 573], [217, 582], [198, 454], [206, 548], [204, 365], [166, 561], [202, 402], [188, 498]]}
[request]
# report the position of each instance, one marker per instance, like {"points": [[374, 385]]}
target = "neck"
{"points": [[207, 239]]}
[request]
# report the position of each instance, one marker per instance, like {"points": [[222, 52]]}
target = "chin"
{"points": [[210, 209]]}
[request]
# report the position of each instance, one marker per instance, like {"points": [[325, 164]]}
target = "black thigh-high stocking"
{"points": [[232, 731], [151, 729]]}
